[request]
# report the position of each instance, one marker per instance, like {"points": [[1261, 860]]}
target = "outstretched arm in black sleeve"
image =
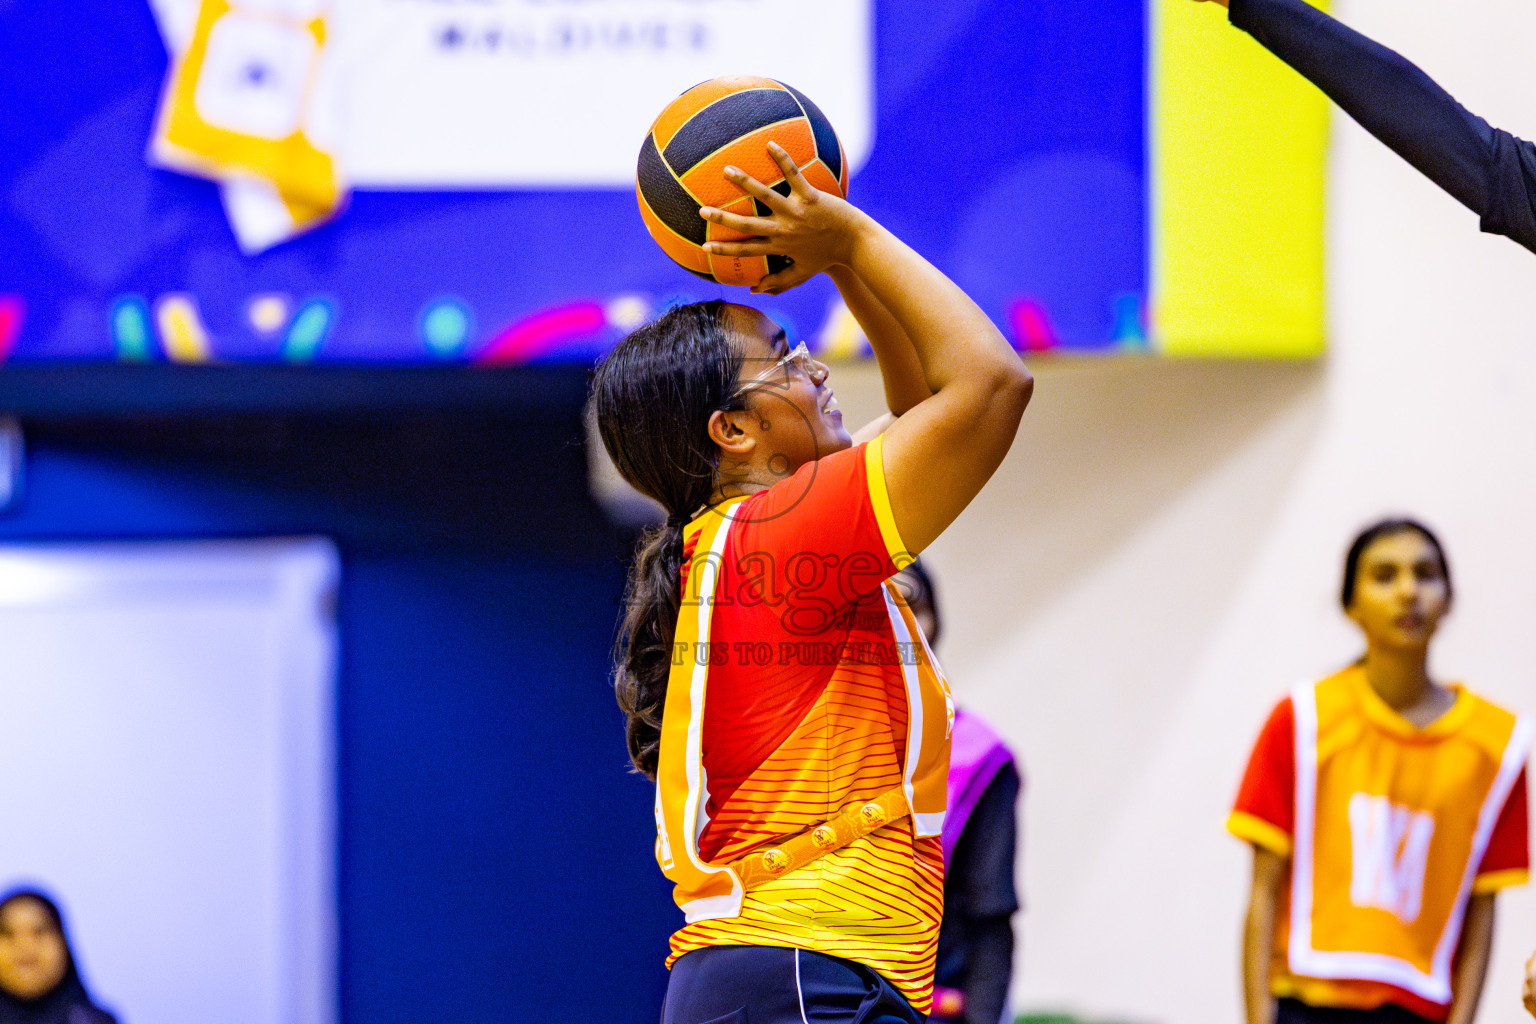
{"points": [[1488, 170]]}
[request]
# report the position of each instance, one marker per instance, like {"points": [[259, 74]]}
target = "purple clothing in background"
{"points": [[976, 755]]}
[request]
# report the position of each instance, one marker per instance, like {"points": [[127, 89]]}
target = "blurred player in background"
{"points": [[39, 981], [975, 960], [1385, 811], [1490, 171], [800, 761]]}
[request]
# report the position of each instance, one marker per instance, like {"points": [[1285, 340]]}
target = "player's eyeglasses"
{"points": [[797, 359]]}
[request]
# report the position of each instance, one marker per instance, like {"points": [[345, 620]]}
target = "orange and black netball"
{"points": [[729, 122]]}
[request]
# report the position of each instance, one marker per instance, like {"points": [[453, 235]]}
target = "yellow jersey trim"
{"points": [[874, 466], [1493, 881], [1259, 832], [696, 525]]}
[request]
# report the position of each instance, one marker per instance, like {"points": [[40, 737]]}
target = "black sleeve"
{"points": [[980, 888], [982, 870], [986, 990], [84, 1013], [1490, 171]]}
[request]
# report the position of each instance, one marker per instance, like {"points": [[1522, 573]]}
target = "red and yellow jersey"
{"points": [[1389, 829], [802, 687]]}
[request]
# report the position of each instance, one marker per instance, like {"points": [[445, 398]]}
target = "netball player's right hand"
{"points": [[815, 229], [1528, 992], [1222, 3]]}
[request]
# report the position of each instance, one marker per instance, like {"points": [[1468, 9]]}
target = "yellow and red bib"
{"points": [[1390, 834], [789, 630]]}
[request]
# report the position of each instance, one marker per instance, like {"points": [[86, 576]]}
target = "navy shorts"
{"points": [[773, 985], [1294, 1011]]}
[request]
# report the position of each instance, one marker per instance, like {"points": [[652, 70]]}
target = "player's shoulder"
{"points": [[825, 483], [1340, 696], [1346, 680], [84, 1013], [1491, 724], [1281, 719], [840, 468], [1485, 706]]}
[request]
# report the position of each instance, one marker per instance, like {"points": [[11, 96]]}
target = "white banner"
{"points": [[559, 93]]}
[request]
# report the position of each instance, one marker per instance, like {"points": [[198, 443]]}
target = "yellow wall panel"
{"points": [[1239, 170]]}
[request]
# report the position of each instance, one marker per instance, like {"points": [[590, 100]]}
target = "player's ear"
{"points": [[728, 431]]}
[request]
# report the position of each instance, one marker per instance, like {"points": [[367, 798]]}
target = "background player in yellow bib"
{"points": [[1385, 811], [778, 689]]}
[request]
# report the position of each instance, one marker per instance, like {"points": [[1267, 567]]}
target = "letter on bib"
{"points": [[1391, 848]]}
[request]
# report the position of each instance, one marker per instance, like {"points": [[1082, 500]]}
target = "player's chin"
{"points": [[836, 437], [1409, 639]]}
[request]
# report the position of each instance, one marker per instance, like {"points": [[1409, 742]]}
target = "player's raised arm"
{"points": [[900, 370], [941, 452], [1490, 171]]}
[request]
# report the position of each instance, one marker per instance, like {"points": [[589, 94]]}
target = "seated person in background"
{"points": [[39, 983], [975, 957]]}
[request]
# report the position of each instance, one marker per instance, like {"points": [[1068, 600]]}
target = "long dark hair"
{"points": [[653, 396], [1387, 528]]}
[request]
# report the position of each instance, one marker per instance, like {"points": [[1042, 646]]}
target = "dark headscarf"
{"points": [[68, 1002]]}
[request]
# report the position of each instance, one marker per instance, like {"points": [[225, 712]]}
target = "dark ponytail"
{"points": [[653, 396]]}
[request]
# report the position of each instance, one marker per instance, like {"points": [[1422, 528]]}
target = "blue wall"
{"points": [[1010, 148], [495, 856]]}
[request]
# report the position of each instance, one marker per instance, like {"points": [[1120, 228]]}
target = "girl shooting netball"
{"points": [[776, 688]]}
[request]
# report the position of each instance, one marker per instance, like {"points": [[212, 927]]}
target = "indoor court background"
{"points": [[1155, 564], [1158, 561]]}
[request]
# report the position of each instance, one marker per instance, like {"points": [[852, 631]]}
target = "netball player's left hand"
{"points": [[1528, 992], [815, 229]]}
